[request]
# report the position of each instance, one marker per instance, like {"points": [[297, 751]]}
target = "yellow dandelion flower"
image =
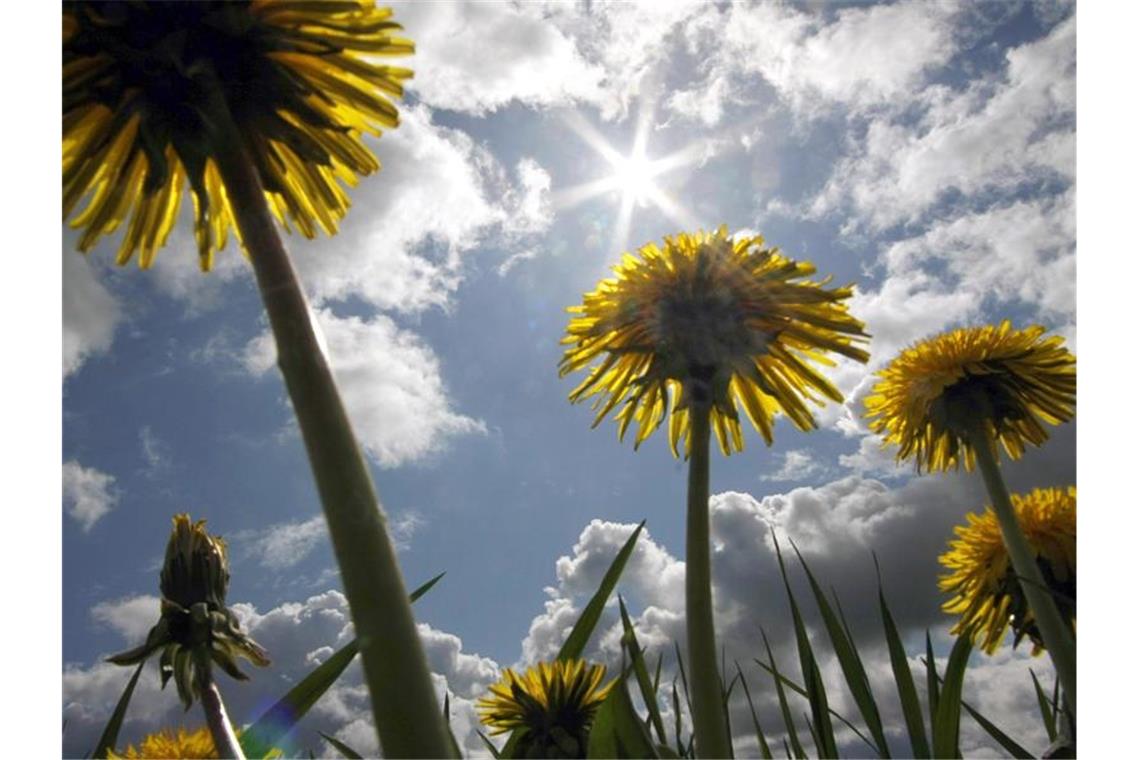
{"points": [[1008, 381], [167, 744], [982, 581], [552, 703], [140, 81], [712, 320]]}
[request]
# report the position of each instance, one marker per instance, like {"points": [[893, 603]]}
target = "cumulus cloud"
{"points": [[798, 464], [286, 544], [298, 636], [987, 137], [90, 312], [88, 494], [391, 384], [131, 617]]}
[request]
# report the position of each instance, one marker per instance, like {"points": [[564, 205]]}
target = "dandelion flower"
{"points": [[552, 704], [181, 744], [195, 627], [711, 320], [140, 85], [982, 581], [1008, 381]]}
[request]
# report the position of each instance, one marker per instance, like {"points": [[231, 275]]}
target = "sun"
{"points": [[632, 176]]}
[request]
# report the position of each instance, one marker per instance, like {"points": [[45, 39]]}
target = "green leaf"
{"points": [[110, 733], [1048, 717], [803, 693], [279, 720], [760, 740], [904, 681], [948, 716], [789, 724], [817, 694], [677, 719], [575, 643], [617, 731], [1008, 744], [850, 662], [489, 745], [932, 679], [648, 693], [341, 747]]}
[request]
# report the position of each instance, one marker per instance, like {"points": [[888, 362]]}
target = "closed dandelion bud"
{"points": [[195, 629]]}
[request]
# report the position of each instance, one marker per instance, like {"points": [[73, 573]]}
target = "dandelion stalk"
{"points": [[225, 740], [709, 719], [1056, 634], [404, 705]]}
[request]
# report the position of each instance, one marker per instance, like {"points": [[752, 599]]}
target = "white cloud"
{"points": [[798, 465], [88, 494], [90, 312], [155, 452], [479, 57], [131, 617], [286, 544], [390, 382], [989, 137]]}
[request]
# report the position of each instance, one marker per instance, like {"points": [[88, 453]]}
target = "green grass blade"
{"points": [[904, 681], [849, 661], [489, 745], [575, 643], [657, 674], [677, 719], [1008, 744], [787, 751], [684, 678], [817, 694], [1056, 697], [648, 693], [765, 752], [110, 733], [1047, 716], [932, 679], [282, 717], [341, 747], [617, 731], [800, 690], [814, 735], [789, 724], [948, 717]]}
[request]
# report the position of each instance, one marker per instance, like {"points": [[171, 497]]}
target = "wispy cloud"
{"points": [[88, 494]]}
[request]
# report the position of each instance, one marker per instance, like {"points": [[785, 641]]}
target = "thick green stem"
{"points": [[709, 721], [404, 705], [1056, 634], [225, 740]]}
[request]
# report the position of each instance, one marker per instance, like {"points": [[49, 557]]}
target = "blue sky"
{"points": [[923, 151]]}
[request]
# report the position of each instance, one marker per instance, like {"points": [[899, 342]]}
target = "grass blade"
{"points": [[341, 747], [1047, 714], [657, 674], [817, 695], [904, 681], [947, 718], [648, 693], [489, 745], [282, 717], [849, 661], [684, 679], [617, 731], [765, 753], [932, 679], [1008, 744], [789, 724], [110, 733], [576, 642]]}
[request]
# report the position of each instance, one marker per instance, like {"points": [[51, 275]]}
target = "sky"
{"points": [[924, 151]]}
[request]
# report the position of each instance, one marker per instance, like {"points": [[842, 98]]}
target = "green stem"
{"points": [[709, 721], [1056, 634], [404, 705], [225, 741]]}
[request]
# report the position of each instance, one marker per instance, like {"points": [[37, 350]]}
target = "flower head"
{"points": [[1009, 381], [181, 744], [140, 81], [986, 593], [553, 703], [709, 319], [195, 627]]}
